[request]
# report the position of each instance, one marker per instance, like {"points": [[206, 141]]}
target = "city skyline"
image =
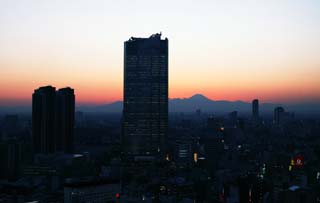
{"points": [[266, 50], [140, 101]]}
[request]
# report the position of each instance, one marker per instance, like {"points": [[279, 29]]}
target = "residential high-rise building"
{"points": [[184, 151], [53, 119], [277, 114], [43, 119], [145, 112], [255, 110], [65, 112]]}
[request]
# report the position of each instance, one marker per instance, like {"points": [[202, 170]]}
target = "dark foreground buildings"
{"points": [[53, 119], [145, 112]]}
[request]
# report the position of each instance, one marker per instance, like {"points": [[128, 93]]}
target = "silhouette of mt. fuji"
{"points": [[198, 97], [199, 101]]}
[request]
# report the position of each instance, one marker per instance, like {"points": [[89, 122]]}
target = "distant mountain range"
{"points": [[191, 104], [205, 104]]}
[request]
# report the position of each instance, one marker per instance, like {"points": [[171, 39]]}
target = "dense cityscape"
{"points": [[150, 152]]}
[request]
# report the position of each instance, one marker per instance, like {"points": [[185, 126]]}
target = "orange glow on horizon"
{"points": [[101, 95], [225, 50]]}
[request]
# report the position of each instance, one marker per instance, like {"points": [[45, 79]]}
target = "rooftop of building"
{"points": [[153, 36], [89, 182]]}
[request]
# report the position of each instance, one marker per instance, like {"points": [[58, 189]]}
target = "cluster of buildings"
{"points": [[60, 155], [53, 120]]}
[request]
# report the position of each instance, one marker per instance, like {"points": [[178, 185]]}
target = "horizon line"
{"points": [[24, 103]]}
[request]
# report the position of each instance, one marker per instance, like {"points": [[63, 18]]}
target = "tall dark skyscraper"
{"points": [[255, 110], [43, 119], [145, 112], [53, 119], [277, 114], [65, 119]]}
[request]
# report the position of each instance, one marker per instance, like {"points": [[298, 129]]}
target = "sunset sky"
{"points": [[224, 49]]}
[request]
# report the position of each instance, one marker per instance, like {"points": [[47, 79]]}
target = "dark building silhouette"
{"points": [[145, 112], [92, 190], [233, 117], [65, 119], [43, 119], [184, 151], [10, 126], [10, 122], [281, 116], [255, 109], [14, 154], [277, 114], [53, 119]]}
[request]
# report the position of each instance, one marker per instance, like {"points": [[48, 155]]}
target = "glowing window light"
{"points": [[195, 157], [167, 157], [292, 162]]}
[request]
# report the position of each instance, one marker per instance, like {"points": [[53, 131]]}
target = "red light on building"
{"points": [[117, 195], [298, 161]]}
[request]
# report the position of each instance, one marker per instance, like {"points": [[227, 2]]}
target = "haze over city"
{"points": [[225, 50]]}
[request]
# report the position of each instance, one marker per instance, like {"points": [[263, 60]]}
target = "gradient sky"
{"points": [[224, 49]]}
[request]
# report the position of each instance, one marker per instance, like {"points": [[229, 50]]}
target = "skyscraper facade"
{"points": [[43, 119], [65, 119], [255, 110], [53, 120], [145, 110]]}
